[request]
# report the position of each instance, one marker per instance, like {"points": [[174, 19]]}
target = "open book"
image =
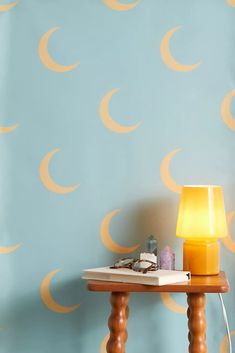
{"points": [[125, 275]]}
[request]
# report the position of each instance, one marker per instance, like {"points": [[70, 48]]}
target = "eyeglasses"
{"points": [[136, 265]]}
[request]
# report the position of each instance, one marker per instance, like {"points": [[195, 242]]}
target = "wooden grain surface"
{"points": [[197, 323], [118, 323], [197, 284]]}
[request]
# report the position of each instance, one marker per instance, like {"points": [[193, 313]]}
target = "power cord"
{"points": [[226, 323]]}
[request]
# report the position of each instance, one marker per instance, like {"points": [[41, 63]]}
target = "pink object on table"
{"points": [[167, 259]]}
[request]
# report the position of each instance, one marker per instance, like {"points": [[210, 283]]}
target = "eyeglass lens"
{"points": [[123, 262]]}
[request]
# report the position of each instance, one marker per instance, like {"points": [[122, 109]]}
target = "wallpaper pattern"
{"points": [[107, 108]]}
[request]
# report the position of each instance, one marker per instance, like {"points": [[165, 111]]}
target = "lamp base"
{"points": [[201, 257]]}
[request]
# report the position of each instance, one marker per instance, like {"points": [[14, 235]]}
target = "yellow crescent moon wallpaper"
{"points": [[119, 6], [7, 6], [107, 109], [224, 343], [107, 119], [103, 344], [107, 239], [167, 56], [165, 172], [46, 58], [48, 299], [7, 129], [46, 179], [227, 116], [228, 242], [9, 249], [231, 2], [171, 304]]}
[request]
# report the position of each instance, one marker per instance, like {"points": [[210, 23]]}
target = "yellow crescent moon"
{"points": [[7, 129], [165, 172], [228, 242], [108, 120], [45, 57], [8, 7], [9, 249], [224, 343], [225, 110], [46, 178], [167, 57], [106, 237], [49, 301], [116, 5], [171, 304], [231, 2], [103, 344]]}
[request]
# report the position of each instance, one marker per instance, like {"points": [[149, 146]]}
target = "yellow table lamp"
{"points": [[201, 221]]}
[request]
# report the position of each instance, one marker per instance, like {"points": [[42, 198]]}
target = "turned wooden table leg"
{"points": [[196, 323], [117, 322]]}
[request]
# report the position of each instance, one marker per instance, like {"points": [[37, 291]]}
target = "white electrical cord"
{"points": [[226, 322]]}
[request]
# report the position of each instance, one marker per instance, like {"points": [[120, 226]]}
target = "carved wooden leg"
{"points": [[117, 323], [196, 323], [189, 334]]}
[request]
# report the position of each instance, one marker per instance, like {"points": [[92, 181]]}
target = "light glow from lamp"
{"points": [[201, 213], [201, 221]]}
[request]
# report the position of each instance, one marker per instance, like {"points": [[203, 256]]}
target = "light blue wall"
{"points": [[116, 49]]}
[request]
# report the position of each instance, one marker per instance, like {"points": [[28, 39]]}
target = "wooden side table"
{"points": [[195, 290]]}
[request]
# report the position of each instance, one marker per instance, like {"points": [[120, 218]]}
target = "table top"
{"points": [[197, 284]]}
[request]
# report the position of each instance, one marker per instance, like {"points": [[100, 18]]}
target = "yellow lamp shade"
{"points": [[201, 213]]}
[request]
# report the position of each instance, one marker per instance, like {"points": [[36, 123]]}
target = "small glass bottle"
{"points": [[151, 245], [151, 250]]}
